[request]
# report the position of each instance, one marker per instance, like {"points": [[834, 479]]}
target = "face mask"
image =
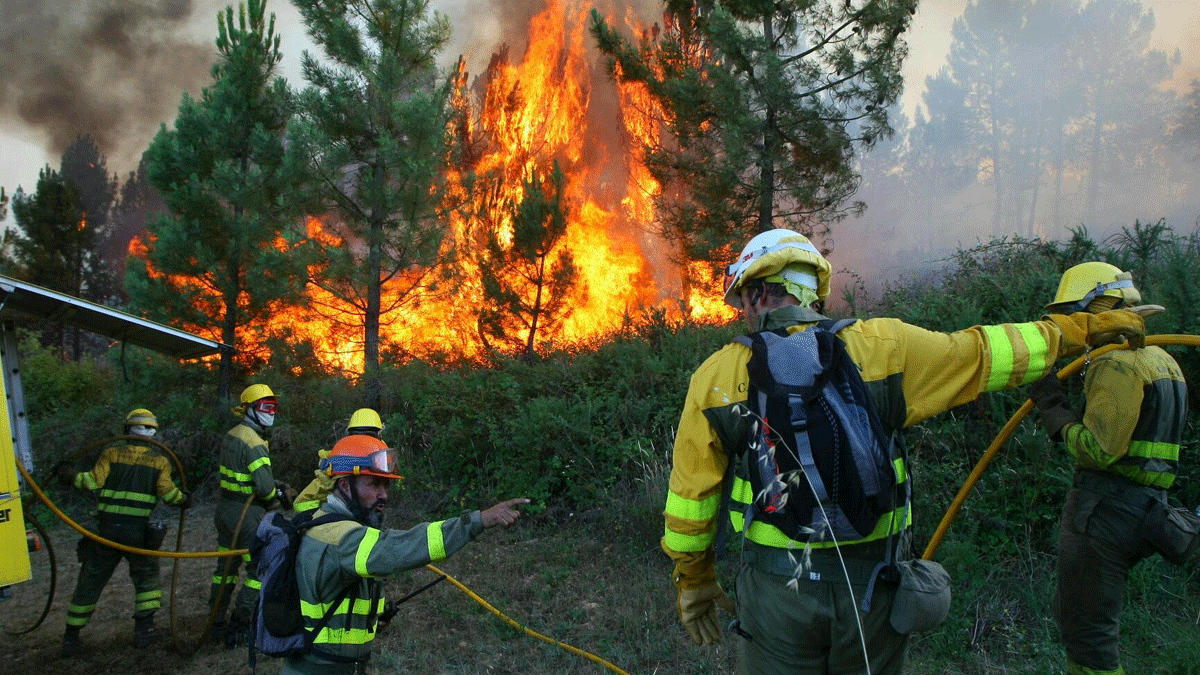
{"points": [[263, 412], [142, 430]]}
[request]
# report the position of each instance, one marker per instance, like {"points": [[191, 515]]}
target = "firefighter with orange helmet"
{"points": [[1125, 448], [128, 480], [363, 469], [362, 421], [245, 471]]}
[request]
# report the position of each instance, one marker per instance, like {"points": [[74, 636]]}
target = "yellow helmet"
{"points": [[365, 419], [1088, 281], [141, 416], [255, 392], [767, 254]]}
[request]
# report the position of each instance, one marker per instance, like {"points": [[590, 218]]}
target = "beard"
{"points": [[376, 514]]}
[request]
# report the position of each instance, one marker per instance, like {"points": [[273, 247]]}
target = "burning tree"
{"points": [[763, 105], [217, 261], [526, 287], [373, 133]]}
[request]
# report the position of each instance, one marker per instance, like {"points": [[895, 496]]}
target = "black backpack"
{"points": [[821, 464], [279, 624]]}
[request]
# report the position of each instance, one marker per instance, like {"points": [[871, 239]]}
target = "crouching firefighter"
{"points": [[347, 559], [1125, 447], [796, 612]]}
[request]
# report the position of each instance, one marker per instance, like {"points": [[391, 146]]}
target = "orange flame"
{"points": [[517, 119]]}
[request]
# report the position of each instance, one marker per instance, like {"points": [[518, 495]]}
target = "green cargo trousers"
{"points": [[97, 564], [1101, 537], [811, 627], [228, 568]]}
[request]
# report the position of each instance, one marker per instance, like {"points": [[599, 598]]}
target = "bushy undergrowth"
{"points": [[587, 434]]}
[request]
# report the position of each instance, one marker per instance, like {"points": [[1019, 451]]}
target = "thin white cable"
{"points": [[862, 639]]}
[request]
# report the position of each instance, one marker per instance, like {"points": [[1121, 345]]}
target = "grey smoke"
{"points": [[113, 69]]}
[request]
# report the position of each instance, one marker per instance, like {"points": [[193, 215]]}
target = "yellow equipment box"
{"points": [[14, 549]]}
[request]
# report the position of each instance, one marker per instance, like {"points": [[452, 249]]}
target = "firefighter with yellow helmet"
{"points": [[363, 421], [808, 624], [245, 471], [1125, 447], [128, 481], [355, 554]]}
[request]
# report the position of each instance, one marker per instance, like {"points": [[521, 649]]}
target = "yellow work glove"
{"points": [[698, 611], [1094, 330]]}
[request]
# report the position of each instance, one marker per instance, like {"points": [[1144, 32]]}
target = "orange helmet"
{"points": [[361, 455]]}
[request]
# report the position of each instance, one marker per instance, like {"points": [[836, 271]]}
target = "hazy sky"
{"points": [[23, 149]]}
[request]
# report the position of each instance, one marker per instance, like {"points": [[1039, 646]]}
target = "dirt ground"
{"points": [[107, 641]]}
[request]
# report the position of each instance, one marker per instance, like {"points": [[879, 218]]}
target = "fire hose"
{"points": [[1006, 432], [177, 554]]}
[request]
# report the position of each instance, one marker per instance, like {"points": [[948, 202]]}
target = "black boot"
{"points": [[70, 642], [143, 632], [236, 630]]}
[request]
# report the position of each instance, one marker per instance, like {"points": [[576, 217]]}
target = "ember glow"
{"points": [[555, 104]]}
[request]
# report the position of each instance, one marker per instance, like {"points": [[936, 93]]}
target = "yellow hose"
{"points": [[488, 606], [1015, 420]]}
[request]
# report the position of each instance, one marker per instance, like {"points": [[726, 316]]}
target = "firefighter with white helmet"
{"points": [[1125, 447], [245, 470], [806, 624], [363, 421], [360, 552], [128, 480]]}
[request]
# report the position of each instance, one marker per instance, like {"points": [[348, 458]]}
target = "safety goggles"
{"points": [[380, 461], [266, 406]]}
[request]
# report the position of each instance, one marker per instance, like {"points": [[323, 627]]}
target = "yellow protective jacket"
{"points": [[313, 495], [246, 466], [911, 374], [345, 554], [1134, 419], [128, 481]]}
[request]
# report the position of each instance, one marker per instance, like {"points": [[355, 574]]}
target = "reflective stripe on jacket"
{"points": [[245, 465], [128, 481], [314, 494], [1134, 419], [337, 555], [911, 374]]}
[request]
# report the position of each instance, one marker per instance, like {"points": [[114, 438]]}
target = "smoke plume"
{"points": [[113, 69]]}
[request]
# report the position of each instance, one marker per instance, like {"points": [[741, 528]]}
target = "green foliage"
{"points": [[761, 108], [561, 430]]}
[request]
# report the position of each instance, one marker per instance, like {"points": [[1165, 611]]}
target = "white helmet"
{"points": [[767, 254]]}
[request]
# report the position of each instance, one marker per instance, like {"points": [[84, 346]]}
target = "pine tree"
{"points": [[214, 261], [763, 105], [53, 243], [86, 169], [373, 134], [525, 280]]}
